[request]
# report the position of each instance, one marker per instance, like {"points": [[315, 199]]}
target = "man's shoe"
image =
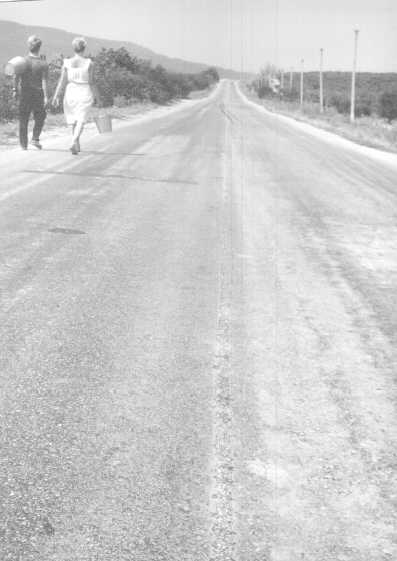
{"points": [[36, 144], [23, 147]]}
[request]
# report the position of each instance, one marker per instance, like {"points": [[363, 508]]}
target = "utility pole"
{"points": [[282, 80], [291, 78], [302, 68], [353, 92], [321, 81]]}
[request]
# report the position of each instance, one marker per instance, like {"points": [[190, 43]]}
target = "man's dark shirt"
{"points": [[32, 77]]}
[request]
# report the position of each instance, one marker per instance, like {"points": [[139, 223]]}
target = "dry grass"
{"points": [[368, 131]]}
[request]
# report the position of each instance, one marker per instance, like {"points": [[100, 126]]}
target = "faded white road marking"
{"points": [[223, 535]]}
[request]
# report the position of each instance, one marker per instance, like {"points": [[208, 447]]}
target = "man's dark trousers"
{"points": [[31, 100]]}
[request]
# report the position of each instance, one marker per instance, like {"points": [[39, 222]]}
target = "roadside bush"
{"points": [[139, 89], [120, 82], [388, 105], [108, 59], [117, 73], [120, 101], [290, 95], [363, 108], [122, 79], [8, 108], [341, 104], [158, 94], [375, 93], [185, 86], [265, 91]]}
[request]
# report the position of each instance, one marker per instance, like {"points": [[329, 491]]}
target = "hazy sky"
{"points": [[234, 33]]}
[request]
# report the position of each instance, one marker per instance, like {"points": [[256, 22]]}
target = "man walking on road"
{"points": [[30, 87]]}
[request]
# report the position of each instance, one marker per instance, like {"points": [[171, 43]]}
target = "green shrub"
{"points": [[120, 101], [117, 73], [341, 104], [8, 107], [363, 108], [291, 95], [370, 88], [121, 79], [264, 91], [388, 105]]}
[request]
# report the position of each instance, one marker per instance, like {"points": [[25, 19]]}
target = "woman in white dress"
{"points": [[80, 94]]}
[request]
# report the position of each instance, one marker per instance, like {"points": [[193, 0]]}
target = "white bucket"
{"points": [[103, 123], [15, 66]]}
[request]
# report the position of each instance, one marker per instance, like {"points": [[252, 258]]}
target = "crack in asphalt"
{"points": [[231, 118]]}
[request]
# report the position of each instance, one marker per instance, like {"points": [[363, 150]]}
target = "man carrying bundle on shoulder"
{"points": [[30, 88]]}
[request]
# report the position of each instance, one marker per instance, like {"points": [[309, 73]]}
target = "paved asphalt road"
{"points": [[198, 334]]}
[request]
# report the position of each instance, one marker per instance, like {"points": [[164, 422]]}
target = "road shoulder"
{"points": [[382, 156]]}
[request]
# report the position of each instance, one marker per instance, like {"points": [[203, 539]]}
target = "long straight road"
{"points": [[198, 334]]}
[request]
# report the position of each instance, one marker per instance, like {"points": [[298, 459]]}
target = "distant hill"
{"points": [[56, 41]]}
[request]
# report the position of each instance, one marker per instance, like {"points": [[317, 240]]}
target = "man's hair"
{"points": [[34, 43], [79, 44]]}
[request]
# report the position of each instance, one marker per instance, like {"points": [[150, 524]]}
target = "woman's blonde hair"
{"points": [[79, 44]]}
